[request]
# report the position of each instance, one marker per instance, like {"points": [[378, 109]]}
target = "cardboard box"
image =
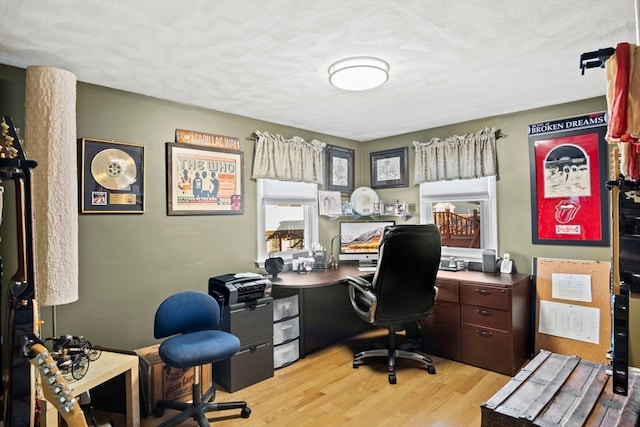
{"points": [[159, 381]]}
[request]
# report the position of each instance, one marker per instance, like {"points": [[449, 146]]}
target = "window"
{"points": [[466, 214], [287, 218]]}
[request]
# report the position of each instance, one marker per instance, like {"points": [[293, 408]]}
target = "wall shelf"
{"points": [[354, 216]]}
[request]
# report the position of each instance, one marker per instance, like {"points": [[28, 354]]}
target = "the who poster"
{"points": [[204, 180]]}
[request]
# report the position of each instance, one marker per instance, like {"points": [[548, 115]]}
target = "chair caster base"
{"points": [[158, 411], [245, 413]]}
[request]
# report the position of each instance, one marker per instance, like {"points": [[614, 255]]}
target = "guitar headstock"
{"points": [[54, 386], [9, 143]]}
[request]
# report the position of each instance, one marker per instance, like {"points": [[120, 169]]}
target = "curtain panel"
{"points": [[458, 157], [288, 159], [623, 104]]}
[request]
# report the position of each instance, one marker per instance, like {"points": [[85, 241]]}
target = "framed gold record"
{"points": [[111, 176]]}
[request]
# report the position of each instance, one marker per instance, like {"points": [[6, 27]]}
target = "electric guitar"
{"points": [[19, 306], [54, 386]]}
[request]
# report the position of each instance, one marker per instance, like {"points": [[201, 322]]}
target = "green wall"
{"points": [[513, 188], [130, 263]]}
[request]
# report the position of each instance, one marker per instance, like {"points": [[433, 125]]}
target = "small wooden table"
{"points": [[108, 366]]}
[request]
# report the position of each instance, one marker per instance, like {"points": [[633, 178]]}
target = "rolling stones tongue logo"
{"points": [[566, 211]]}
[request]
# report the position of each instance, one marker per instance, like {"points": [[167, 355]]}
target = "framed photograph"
{"points": [[340, 169], [389, 168], [568, 169], [204, 180], [329, 203], [388, 207], [111, 176]]}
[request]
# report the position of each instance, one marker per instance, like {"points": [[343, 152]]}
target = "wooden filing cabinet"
{"points": [[486, 323], [441, 328]]}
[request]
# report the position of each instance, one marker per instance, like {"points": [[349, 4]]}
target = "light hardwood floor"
{"points": [[323, 389]]}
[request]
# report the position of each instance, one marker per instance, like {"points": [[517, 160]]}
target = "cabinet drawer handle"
{"points": [[483, 333], [483, 312], [483, 291]]}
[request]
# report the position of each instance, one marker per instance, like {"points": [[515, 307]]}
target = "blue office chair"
{"points": [[191, 320], [402, 291]]}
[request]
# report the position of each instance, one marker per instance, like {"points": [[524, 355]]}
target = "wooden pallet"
{"points": [[558, 390]]}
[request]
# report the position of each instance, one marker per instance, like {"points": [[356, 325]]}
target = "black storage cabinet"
{"points": [[252, 323]]}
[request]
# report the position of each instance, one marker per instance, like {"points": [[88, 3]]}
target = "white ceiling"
{"points": [[451, 61]]}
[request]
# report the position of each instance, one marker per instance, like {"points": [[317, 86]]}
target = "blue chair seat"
{"points": [[198, 348]]}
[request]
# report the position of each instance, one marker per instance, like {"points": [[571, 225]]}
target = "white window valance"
{"points": [[288, 159], [458, 157]]}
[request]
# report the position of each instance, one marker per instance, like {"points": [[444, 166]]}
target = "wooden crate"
{"points": [[159, 381], [558, 390]]}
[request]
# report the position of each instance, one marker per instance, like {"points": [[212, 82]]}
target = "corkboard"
{"points": [[601, 299]]}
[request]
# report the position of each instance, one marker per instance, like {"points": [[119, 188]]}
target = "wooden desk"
{"points": [[108, 366], [326, 315], [314, 279], [480, 319]]}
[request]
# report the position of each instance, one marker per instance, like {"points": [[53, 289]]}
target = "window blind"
{"points": [[461, 189], [276, 192]]}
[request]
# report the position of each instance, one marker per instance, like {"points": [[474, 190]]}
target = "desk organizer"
{"points": [[286, 331]]}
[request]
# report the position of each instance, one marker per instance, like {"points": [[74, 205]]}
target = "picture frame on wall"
{"points": [[111, 177], [568, 169], [204, 180], [339, 169], [389, 168]]}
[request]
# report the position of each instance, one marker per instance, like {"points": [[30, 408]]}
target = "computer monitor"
{"points": [[359, 240]]}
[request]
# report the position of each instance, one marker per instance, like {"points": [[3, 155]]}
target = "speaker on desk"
{"points": [[274, 266], [489, 261], [474, 266]]}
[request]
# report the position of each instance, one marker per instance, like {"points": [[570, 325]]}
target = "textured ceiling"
{"points": [[451, 61]]}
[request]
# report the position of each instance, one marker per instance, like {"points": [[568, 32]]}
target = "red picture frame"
{"points": [[568, 164]]}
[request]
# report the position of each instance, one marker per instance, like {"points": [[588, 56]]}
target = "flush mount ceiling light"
{"points": [[358, 73]]}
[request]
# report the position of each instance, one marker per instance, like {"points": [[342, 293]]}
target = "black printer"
{"points": [[236, 288]]}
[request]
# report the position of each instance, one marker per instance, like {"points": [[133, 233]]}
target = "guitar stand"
{"points": [[85, 404]]}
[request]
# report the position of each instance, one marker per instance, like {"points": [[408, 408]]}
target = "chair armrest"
{"points": [[359, 281], [363, 288]]}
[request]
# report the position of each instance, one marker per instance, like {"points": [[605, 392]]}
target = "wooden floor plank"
{"points": [[324, 389]]}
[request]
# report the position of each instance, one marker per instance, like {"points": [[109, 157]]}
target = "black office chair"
{"points": [[191, 320], [402, 291]]}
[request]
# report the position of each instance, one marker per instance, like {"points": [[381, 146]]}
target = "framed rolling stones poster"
{"points": [[568, 167]]}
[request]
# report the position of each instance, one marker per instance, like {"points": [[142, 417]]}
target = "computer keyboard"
{"points": [[371, 268]]}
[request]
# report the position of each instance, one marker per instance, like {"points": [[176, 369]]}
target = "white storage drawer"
{"points": [[286, 330], [285, 307], [285, 354]]}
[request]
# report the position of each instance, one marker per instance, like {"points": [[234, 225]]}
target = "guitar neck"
{"points": [[21, 274], [11, 148], [54, 386]]}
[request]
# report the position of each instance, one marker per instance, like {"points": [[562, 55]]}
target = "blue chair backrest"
{"points": [[185, 312]]}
